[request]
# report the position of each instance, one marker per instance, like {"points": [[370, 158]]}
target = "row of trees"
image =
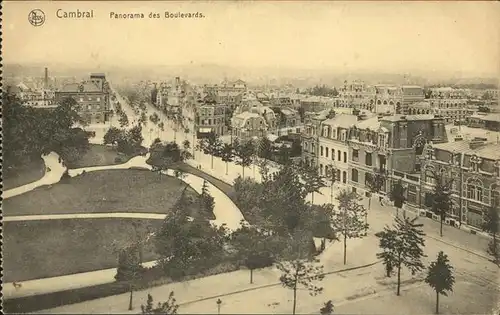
{"points": [[29, 133]]}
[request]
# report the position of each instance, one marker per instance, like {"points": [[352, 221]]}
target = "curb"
{"points": [[273, 284]]}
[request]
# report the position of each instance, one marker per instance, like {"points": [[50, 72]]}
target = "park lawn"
{"points": [[49, 248], [131, 190], [26, 174], [100, 155]]}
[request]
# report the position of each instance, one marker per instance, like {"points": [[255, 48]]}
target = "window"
{"points": [[354, 175], [333, 154], [98, 99], [368, 159], [429, 177], [321, 169], [326, 151], [321, 150], [475, 190], [344, 177], [89, 107], [339, 155], [355, 155], [345, 157]]}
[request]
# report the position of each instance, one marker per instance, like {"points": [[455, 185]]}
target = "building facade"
{"points": [[473, 167], [333, 146], [392, 145], [92, 100]]}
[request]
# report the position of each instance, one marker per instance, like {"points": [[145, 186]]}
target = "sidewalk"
{"points": [[196, 293]]}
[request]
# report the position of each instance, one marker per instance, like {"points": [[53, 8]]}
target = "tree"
{"points": [[301, 273], [265, 148], [244, 153], [123, 120], [398, 195], [129, 268], [441, 200], [206, 200], [313, 181], [491, 225], [164, 156], [113, 135], [255, 247], [211, 145], [440, 277], [30, 132], [135, 136], [402, 245], [331, 176], [227, 154], [327, 309], [168, 307], [348, 219], [185, 245], [375, 183]]}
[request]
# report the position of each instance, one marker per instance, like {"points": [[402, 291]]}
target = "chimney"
{"points": [[46, 78]]}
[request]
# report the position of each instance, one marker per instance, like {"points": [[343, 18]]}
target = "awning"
{"points": [[205, 130]]}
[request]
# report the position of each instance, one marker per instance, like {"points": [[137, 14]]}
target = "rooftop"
{"points": [[487, 151], [408, 117], [372, 123], [342, 121], [75, 87]]}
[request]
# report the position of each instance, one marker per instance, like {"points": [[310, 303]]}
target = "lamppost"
{"points": [[219, 303]]}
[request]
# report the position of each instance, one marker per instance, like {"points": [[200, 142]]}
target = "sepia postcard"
{"points": [[251, 157]]}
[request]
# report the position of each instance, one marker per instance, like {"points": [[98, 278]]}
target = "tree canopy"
{"points": [[30, 132]]}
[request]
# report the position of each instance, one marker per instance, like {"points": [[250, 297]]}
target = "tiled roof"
{"points": [[488, 150]]}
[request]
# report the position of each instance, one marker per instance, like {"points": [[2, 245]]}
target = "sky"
{"points": [[376, 36]]}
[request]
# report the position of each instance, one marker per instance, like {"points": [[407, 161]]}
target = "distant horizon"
{"points": [[429, 38]]}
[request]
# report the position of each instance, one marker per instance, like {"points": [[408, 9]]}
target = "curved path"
{"points": [[56, 170], [225, 212]]}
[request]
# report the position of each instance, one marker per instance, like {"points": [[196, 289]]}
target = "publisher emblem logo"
{"points": [[36, 17]]}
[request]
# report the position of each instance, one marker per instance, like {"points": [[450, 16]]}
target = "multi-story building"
{"points": [[246, 125], [450, 103], [92, 99], [231, 99], [355, 95], [232, 86], [392, 145], [34, 97], [488, 121], [473, 167], [312, 104], [170, 96], [210, 116], [280, 99], [310, 136], [333, 145], [287, 117]]}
